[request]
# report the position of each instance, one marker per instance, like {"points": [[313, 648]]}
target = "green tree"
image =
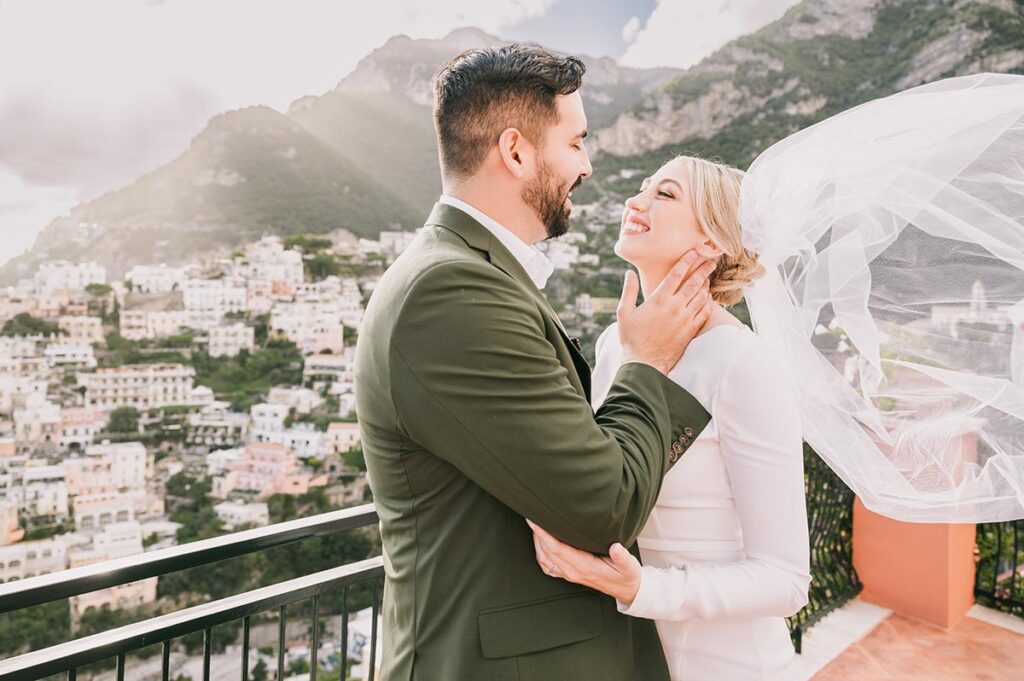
{"points": [[124, 420], [24, 324], [321, 266], [98, 290], [259, 672]]}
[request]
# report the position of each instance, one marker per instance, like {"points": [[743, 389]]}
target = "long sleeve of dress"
{"points": [[759, 436]]}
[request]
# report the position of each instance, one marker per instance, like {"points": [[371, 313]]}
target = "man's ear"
{"points": [[516, 152]]}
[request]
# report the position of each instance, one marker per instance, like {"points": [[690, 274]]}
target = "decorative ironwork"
{"points": [[834, 581], [999, 577]]}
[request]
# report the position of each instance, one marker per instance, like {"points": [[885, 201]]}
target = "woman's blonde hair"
{"points": [[715, 191]]}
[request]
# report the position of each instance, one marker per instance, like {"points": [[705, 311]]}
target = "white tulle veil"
{"points": [[893, 236]]}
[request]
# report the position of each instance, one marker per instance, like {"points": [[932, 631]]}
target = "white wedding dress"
{"points": [[725, 551]]}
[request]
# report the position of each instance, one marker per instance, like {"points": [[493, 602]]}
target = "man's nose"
{"points": [[588, 169]]}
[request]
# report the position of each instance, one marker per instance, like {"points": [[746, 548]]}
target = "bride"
{"points": [[899, 224], [725, 551]]}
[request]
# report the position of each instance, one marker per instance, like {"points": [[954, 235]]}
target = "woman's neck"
{"points": [[651, 278]]}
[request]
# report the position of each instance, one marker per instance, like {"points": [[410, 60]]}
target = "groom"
{"points": [[474, 403]]}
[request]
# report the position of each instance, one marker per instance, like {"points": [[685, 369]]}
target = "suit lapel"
{"points": [[479, 237]]}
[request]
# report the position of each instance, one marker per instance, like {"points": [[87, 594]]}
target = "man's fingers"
{"points": [[627, 301], [697, 281], [675, 275]]}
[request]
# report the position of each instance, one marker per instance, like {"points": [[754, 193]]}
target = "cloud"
{"points": [[631, 29], [680, 33], [107, 90]]}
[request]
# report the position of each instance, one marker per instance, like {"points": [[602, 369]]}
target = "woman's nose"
{"points": [[636, 202]]}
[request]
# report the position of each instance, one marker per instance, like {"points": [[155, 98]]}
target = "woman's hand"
{"points": [[617, 575]]}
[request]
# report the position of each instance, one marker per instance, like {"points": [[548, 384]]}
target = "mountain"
{"points": [[363, 155], [379, 116], [251, 172], [822, 57]]}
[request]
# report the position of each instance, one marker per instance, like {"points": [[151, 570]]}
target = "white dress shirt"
{"points": [[725, 550], [536, 264]]}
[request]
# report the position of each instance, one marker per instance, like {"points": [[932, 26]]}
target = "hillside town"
{"points": [[234, 373]]}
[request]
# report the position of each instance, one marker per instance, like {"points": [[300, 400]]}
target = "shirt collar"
{"points": [[537, 265]]}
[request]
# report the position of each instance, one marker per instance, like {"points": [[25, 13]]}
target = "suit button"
{"points": [[684, 441], [688, 431], [672, 456], [677, 448]]}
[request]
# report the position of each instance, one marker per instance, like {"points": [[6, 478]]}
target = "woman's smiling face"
{"points": [[659, 224]]}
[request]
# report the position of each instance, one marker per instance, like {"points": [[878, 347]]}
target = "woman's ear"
{"points": [[708, 249]]}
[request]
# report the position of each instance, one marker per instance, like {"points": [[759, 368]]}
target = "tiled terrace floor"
{"points": [[984, 646]]}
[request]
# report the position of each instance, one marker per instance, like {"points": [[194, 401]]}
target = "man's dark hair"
{"points": [[482, 92]]}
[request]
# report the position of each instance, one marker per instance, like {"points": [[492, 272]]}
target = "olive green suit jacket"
{"points": [[474, 410]]}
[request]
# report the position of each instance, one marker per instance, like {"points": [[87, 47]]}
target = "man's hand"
{"points": [[658, 332]]}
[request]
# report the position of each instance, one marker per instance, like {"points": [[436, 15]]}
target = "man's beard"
{"points": [[548, 201]]}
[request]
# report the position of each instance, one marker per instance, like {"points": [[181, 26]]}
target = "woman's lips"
{"points": [[634, 225]]}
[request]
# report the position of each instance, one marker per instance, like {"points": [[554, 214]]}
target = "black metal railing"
{"points": [[999, 577], [69, 657], [834, 580]]}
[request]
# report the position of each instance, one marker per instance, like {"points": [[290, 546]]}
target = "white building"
{"points": [[235, 514], [267, 260], [268, 417], [143, 386], [116, 540], [230, 339], [215, 296], [93, 512], [222, 460], [77, 355], [342, 437], [38, 490], [160, 534], [302, 400], [588, 306], [948, 317], [16, 391], [64, 275], [155, 278], [313, 327], [81, 330], [215, 425], [393, 243], [37, 423], [330, 368], [562, 255], [153, 315], [32, 558]]}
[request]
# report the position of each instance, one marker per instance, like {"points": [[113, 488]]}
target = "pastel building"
{"points": [[143, 386], [81, 330], [79, 427], [109, 467], [265, 469]]}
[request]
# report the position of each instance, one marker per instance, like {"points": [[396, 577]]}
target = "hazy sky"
{"points": [[95, 93]]}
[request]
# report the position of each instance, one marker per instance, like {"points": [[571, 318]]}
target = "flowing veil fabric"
{"points": [[893, 236]]}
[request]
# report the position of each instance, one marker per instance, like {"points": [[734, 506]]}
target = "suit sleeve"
{"points": [[477, 383], [759, 435]]}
